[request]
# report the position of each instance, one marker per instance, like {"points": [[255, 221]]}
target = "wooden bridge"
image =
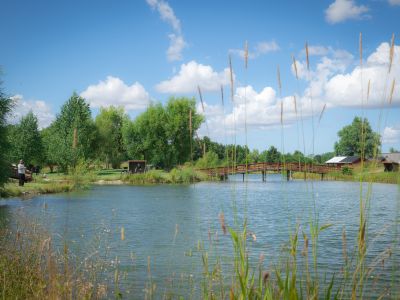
{"points": [[265, 167]]}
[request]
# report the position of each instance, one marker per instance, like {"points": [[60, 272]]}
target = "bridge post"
{"points": [[263, 176], [288, 174], [243, 176], [322, 176], [305, 175]]}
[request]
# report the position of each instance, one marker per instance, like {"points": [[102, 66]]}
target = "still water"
{"points": [[167, 228]]}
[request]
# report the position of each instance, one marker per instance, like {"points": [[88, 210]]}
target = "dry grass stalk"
{"points": [[75, 140], [231, 76], [391, 53], [307, 57], [246, 54], [295, 104], [122, 233], [361, 51], [392, 91], [201, 98], [281, 112], [278, 74], [190, 122], [368, 89], [295, 66], [322, 113]]}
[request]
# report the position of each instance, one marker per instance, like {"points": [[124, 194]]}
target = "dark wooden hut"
{"points": [[136, 166], [391, 161]]}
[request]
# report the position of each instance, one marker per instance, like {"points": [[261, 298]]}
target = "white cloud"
{"points": [[177, 42], [260, 49], [259, 110], [391, 135], [345, 89], [342, 10], [394, 2], [192, 75], [38, 107], [113, 91]]}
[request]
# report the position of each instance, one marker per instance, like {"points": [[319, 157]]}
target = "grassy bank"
{"points": [[369, 173], [59, 182]]}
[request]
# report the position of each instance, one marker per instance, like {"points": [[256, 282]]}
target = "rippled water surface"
{"points": [[166, 224]]}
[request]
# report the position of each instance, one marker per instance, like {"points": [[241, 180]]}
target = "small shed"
{"points": [[391, 161], [343, 160], [136, 166]]}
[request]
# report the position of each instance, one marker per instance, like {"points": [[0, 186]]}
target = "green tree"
{"points": [[273, 155], [75, 135], [5, 109], [26, 141], [146, 137], [161, 135], [357, 139], [50, 145], [178, 111], [109, 123]]}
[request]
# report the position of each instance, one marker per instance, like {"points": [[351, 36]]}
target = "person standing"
{"points": [[21, 172]]}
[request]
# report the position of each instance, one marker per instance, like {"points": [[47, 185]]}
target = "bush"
{"points": [[347, 171]]}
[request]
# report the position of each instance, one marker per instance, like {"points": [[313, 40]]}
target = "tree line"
{"points": [[164, 135]]}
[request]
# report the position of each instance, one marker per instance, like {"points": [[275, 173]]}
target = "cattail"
{"points": [[75, 140], [392, 91], [231, 76], [322, 113], [295, 104], [295, 66], [278, 74], [360, 46], [122, 233], [246, 54], [222, 222], [308, 61], [391, 53], [201, 98], [265, 277], [222, 95]]}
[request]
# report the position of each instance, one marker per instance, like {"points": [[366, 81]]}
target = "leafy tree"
{"points": [[357, 138], [273, 155], [109, 123], [254, 156], [74, 134], [209, 160], [178, 127], [393, 150], [146, 137], [26, 142], [161, 135], [50, 140], [5, 109]]}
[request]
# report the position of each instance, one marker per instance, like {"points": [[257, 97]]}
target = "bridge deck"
{"points": [[270, 167]]}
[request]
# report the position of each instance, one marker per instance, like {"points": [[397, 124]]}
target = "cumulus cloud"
{"points": [[192, 75], [259, 109], [345, 89], [391, 135], [177, 42], [38, 107], [342, 10], [113, 91], [260, 49], [394, 2]]}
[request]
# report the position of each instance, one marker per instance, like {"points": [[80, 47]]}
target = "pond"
{"points": [[167, 228]]}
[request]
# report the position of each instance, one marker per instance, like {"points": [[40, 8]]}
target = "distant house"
{"points": [[391, 161], [343, 160]]}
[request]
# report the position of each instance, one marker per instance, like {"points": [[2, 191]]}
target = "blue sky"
{"points": [[131, 53]]}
